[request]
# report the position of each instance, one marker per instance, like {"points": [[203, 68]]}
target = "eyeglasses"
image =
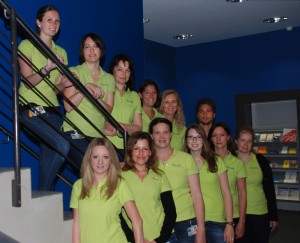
{"points": [[192, 138]]}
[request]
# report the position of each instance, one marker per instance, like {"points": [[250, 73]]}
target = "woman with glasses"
{"points": [[214, 186], [221, 142]]}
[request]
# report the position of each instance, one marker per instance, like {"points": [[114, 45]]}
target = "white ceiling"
{"points": [[213, 20]]}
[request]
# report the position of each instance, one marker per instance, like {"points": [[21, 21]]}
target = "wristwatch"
{"points": [[231, 223]]}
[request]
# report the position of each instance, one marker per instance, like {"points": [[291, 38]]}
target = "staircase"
{"points": [[40, 219]]}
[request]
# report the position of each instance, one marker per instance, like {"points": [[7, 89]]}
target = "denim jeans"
{"points": [[214, 232], [181, 230], [172, 239], [77, 148], [50, 160]]}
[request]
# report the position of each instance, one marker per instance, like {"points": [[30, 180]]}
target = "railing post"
{"points": [[16, 200], [125, 139]]}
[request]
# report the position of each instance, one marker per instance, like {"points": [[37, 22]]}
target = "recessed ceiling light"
{"points": [[275, 20], [234, 1], [146, 20], [183, 36]]}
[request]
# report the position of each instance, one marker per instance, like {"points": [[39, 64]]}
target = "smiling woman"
{"points": [[127, 104], [171, 107], [100, 85], [151, 189], [97, 198], [41, 76]]}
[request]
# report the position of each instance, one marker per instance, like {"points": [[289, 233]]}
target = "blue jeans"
{"points": [[172, 239], [50, 160], [77, 148], [181, 230], [214, 232]]}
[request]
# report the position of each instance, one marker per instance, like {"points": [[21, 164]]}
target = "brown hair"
{"points": [[206, 152], [152, 162]]}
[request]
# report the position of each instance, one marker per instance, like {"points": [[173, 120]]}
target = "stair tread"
{"points": [[36, 194]]}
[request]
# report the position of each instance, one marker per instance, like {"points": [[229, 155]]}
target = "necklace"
{"points": [[165, 158], [141, 171]]}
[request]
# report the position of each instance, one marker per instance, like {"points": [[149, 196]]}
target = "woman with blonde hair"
{"points": [[171, 107], [97, 198]]}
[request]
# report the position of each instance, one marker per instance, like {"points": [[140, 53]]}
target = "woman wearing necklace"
{"points": [[221, 142], [151, 189], [127, 104], [100, 85]]}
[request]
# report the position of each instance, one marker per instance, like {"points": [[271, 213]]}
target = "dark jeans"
{"points": [[77, 148], [172, 239], [50, 160], [181, 231], [214, 232], [257, 229]]}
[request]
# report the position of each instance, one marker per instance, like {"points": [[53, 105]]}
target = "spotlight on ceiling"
{"points": [[183, 36], [146, 20], [234, 1], [275, 20]]}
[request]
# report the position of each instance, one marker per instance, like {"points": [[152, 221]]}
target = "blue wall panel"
{"points": [[120, 25]]}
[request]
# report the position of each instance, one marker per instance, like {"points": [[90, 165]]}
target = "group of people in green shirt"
{"points": [[178, 184]]}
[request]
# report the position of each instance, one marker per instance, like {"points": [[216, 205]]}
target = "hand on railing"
{"points": [[63, 82], [96, 91]]}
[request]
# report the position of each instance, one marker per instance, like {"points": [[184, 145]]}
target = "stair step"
{"points": [[6, 239], [40, 217]]}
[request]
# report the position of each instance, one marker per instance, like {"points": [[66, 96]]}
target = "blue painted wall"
{"points": [[220, 70], [118, 22]]}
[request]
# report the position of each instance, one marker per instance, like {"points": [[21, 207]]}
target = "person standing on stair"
{"points": [[127, 105], [39, 106], [100, 84]]}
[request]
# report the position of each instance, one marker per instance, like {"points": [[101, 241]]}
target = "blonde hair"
{"points": [[179, 119], [87, 173]]}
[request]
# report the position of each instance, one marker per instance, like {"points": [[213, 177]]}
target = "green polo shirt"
{"points": [[98, 217], [125, 107], [39, 60], [178, 168], [256, 199], [107, 82], [235, 170], [147, 198], [212, 193]]}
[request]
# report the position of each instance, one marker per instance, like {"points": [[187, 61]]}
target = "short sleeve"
{"points": [[191, 165], [75, 194], [221, 165], [165, 184], [125, 194]]}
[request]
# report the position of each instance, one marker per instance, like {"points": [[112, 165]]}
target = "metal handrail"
{"points": [[15, 22]]}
